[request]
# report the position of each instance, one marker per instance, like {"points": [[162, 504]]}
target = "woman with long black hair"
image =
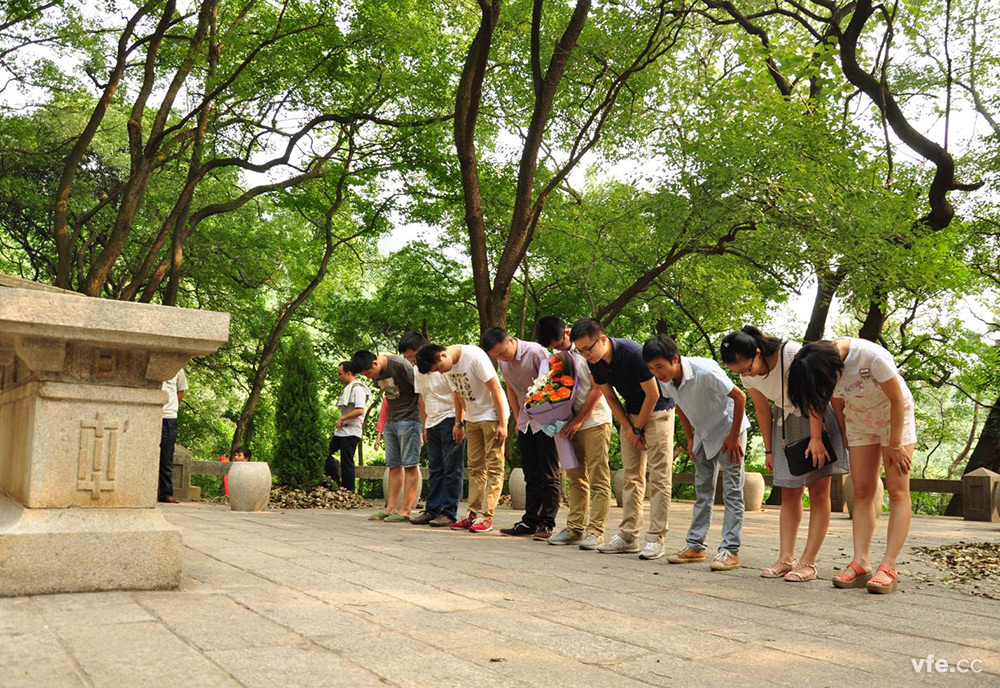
{"points": [[763, 363], [862, 379]]}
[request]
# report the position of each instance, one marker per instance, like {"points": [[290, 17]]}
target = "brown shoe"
{"points": [[725, 561], [542, 533], [170, 500], [441, 521], [687, 556], [423, 518]]}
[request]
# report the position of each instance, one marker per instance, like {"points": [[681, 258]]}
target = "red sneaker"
{"points": [[464, 524], [482, 525]]}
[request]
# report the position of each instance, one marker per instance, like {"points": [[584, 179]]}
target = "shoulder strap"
{"points": [[781, 381]]}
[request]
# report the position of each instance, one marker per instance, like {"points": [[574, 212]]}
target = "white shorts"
{"points": [[866, 426]]}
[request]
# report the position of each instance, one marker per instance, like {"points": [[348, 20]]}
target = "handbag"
{"points": [[795, 452]]}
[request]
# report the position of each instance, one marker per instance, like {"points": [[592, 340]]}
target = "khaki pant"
{"points": [[593, 473], [485, 467], [660, 451]]}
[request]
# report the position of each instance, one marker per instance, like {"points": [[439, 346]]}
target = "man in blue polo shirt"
{"points": [[647, 434], [709, 401]]}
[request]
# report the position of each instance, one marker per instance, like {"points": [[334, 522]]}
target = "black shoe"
{"points": [[542, 532], [423, 518], [519, 528]]}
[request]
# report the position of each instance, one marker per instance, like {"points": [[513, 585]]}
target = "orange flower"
{"points": [[566, 381]]}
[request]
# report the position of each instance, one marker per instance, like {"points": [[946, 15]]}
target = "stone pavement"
{"points": [[321, 598]]}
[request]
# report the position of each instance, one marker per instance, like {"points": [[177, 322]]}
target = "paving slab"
{"points": [[320, 598]]}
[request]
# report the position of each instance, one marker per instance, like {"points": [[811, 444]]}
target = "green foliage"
{"points": [[211, 485], [299, 447]]}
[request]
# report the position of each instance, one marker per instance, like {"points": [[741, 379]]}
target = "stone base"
{"points": [[46, 551]]}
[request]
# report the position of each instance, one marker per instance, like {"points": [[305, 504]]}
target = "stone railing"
{"points": [[980, 489]]}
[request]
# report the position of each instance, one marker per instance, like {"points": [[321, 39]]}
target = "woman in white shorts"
{"points": [[875, 405], [762, 363]]}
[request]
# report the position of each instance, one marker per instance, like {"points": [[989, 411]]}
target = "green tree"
{"points": [[298, 456]]}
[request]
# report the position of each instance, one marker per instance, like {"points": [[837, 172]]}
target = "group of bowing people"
{"points": [[839, 405]]}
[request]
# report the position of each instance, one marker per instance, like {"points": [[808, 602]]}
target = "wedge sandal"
{"points": [[859, 577], [879, 588]]}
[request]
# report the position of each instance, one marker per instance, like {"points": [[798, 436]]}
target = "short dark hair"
{"points": [[362, 361], [659, 346], [492, 337], [245, 451], [745, 342], [548, 329], [427, 357], [586, 327], [346, 366], [411, 341], [813, 375]]}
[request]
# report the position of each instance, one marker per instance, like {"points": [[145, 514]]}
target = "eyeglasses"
{"points": [[587, 350], [746, 371]]}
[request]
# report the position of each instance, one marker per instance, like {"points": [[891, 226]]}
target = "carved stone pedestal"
{"points": [[80, 415]]}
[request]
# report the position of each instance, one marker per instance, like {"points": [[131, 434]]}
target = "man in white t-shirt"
{"points": [[590, 430], [481, 413], [352, 404], [175, 388], [444, 454]]}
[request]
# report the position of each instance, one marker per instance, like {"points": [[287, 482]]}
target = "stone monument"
{"points": [[80, 409]]}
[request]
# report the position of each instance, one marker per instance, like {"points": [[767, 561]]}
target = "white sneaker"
{"points": [[591, 541], [566, 537], [619, 545], [652, 550]]}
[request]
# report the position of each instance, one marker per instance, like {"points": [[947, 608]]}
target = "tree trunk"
{"points": [[985, 455], [286, 312], [493, 295], [827, 284], [872, 326], [960, 459], [143, 156], [941, 212], [468, 98], [60, 215]]}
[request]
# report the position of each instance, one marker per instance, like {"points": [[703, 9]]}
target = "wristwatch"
{"points": [[460, 423], [638, 431]]}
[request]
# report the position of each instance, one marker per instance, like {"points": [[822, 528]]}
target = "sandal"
{"points": [[858, 577], [797, 576], [880, 588], [773, 572], [378, 516]]}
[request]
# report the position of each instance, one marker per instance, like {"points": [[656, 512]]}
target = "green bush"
{"points": [[930, 503], [211, 485], [299, 452]]}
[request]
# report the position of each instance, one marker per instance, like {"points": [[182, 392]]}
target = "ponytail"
{"points": [[745, 342]]}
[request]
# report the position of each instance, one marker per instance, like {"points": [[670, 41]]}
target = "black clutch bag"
{"points": [[795, 452], [798, 462]]}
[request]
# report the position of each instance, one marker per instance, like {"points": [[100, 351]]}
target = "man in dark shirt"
{"points": [[403, 429], [647, 431]]}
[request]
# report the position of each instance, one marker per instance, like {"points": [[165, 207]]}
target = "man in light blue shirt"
{"points": [[712, 411]]}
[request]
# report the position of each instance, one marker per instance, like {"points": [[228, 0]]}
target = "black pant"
{"points": [[168, 438], [542, 474], [344, 474]]}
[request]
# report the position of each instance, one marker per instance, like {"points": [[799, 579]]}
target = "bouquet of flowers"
{"points": [[550, 402]]}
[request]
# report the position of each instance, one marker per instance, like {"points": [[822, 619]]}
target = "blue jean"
{"points": [[706, 473], [402, 442], [444, 463]]}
